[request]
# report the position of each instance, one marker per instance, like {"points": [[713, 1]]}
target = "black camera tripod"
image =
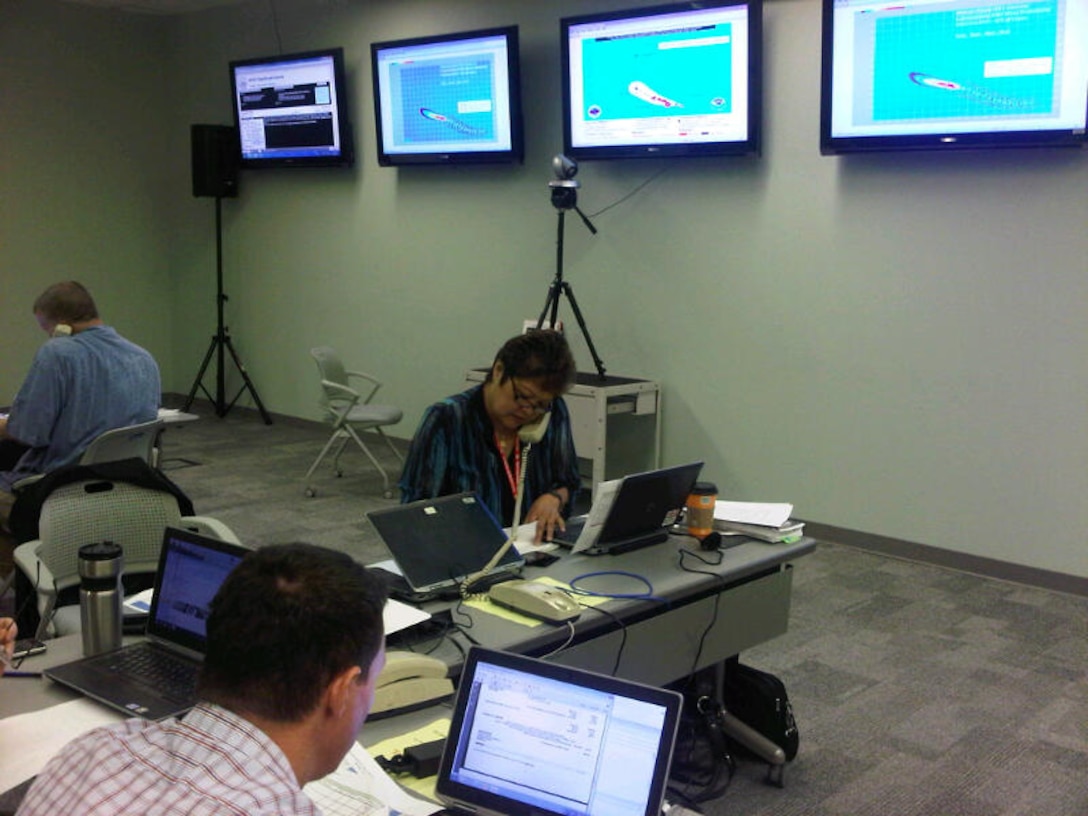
{"points": [[564, 198]]}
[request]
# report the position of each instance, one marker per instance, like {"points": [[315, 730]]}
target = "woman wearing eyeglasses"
{"points": [[471, 442]]}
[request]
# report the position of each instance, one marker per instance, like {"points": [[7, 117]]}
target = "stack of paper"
{"points": [[766, 521]]}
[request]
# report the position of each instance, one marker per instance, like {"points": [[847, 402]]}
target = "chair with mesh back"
{"points": [[351, 412], [95, 510]]}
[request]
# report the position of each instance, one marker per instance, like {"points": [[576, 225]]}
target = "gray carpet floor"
{"points": [[917, 690]]}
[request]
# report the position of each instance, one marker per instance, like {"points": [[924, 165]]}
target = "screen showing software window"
{"points": [[191, 577], [560, 746], [288, 109]]}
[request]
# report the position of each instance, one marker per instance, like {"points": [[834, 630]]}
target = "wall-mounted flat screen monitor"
{"points": [[448, 99], [291, 110], [941, 74], [677, 80]]}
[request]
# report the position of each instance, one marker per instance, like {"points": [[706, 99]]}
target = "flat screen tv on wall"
{"points": [[448, 99], [677, 80], [952, 74], [291, 110]]}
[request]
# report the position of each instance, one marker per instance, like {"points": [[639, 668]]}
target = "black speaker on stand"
{"points": [[215, 175]]}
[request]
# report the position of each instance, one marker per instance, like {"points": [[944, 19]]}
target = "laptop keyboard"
{"points": [[158, 669]]}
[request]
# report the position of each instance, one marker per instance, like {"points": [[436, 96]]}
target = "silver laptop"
{"points": [[156, 678], [631, 512], [437, 543], [529, 737]]}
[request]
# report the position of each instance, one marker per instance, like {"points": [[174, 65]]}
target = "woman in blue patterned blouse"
{"points": [[469, 441]]}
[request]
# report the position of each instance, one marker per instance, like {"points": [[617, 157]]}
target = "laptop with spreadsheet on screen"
{"points": [[531, 738], [156, 678]]}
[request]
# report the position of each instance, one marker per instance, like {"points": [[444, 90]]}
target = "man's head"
{"points": [[295, 632], [66, 303]]}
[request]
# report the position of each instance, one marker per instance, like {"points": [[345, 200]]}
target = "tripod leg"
{"points": [[551, 303], [597, 361], [248, 382], [197, 383]]}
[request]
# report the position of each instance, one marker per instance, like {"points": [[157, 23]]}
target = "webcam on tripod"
{"points": [[564, 187], [565, 197]]}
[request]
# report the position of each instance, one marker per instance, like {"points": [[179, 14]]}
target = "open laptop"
{"points": [[631, 512], [156, 678], [437, 543], [529, 737]]}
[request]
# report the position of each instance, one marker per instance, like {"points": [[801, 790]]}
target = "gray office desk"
{"points": [[739, 603], [746, 598], [743, 601], [19, 695]]}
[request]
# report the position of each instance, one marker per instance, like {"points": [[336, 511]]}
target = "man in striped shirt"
{"points": [[295, 646]]}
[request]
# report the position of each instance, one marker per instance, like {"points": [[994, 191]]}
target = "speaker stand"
{"points": [[221, 344]]}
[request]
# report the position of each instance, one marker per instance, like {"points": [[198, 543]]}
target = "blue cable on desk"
{"points": [[642, 596]]}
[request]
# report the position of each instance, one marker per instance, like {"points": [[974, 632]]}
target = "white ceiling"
{"points": [[157, 6]]}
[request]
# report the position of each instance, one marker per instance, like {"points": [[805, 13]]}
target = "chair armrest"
{"points": [[211, 527], [26, 481], [340, 391], [374, 381], [41, 578], [39, 575]]}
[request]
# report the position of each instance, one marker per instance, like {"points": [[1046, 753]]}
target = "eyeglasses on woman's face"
{"points": [[529, 402]]}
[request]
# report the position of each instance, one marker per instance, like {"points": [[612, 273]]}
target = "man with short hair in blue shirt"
{"points": [[84, 381]]}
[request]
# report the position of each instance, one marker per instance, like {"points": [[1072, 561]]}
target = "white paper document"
{"points": [[359, 787], [140, 603], [526, 539], [603, 499], [397, 616], [766, 514], [28, 741]]}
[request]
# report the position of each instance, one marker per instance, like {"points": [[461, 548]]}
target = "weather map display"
{"points": [[659, 74], [957, 66], [443, 100], [671, 77], [453, 94]]}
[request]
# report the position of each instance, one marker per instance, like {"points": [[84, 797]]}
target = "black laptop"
{"points": [[632, 512], [533, 738], [437, 543], [156, 678]]}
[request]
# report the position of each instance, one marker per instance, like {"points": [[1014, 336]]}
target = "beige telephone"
{"points": [[533, 432], [410, 681]]}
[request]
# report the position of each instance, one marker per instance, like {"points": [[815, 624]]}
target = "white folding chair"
{"points": [[351, 412]]}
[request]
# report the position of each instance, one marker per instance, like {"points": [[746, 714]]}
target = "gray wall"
{"points": [[894, 343]]}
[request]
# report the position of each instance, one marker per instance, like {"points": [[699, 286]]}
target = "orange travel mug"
{"points": [[700, 509]]}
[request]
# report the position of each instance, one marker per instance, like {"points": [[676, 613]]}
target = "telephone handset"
{"points": [[533, 432], [530, 434], [410, 681], [61, 330]]}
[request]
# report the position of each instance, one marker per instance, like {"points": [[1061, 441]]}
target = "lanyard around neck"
{"points": [[511, 475]]}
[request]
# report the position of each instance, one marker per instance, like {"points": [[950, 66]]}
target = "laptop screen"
{"points": [[529, 736], [191, 569]]}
